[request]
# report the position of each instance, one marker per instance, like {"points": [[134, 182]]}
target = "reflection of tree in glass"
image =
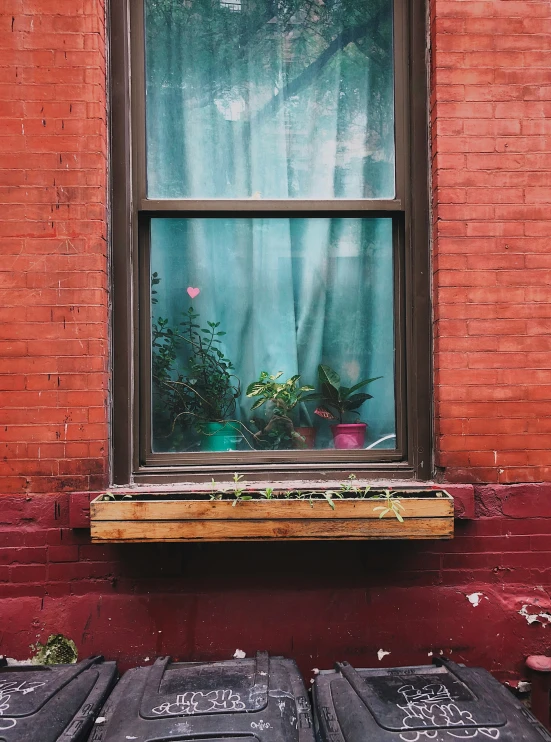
{"points": [[328, 62]]}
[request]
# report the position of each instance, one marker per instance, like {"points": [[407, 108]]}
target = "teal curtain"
{"points": [[269, 99], [277, 99], [290, 294]]}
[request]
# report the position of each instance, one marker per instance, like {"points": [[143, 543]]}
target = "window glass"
{"points": [[269, 99], [236, 301]]}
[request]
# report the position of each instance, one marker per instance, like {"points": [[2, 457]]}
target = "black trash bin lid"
{"points": [[246, 699], [50, 703], [442, 703]]}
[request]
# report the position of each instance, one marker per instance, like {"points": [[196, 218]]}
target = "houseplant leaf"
{"points": [[254, 389], [323, 412], [355, 401], [328, 376], [360, 384]]}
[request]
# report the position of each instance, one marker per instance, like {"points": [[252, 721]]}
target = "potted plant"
{"points": [[204, 397], [339, 402], [306, 431], [284, 396]]}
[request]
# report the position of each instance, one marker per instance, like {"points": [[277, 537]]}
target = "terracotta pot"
{"points": [[349, 435], [309, 435]]}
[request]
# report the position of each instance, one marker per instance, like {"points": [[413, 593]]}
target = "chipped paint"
{"points": [[542, 618], [381, 653], [474, 598]]}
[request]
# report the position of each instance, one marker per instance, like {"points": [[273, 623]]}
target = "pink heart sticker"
{"points": [[193, 292]]}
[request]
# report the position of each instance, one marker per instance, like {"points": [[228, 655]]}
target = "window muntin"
{"points": [[288, 294], [270, 100]]}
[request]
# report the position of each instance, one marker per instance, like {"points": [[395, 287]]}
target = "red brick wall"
{"points": [[491, 186], [53, 271], [317, 602], [491, 127]]}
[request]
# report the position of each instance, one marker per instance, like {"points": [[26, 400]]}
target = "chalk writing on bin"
{"points": [[7, 690], [201, 703], [432, 706]]}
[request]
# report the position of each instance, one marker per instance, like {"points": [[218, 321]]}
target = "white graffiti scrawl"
{"points": [[433, 706], [201, 703], [7, 689]]}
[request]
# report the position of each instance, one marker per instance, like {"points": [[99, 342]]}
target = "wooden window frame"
{"points": [[131, 212]]}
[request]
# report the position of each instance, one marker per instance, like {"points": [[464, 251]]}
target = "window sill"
{"points": [[426, 513]]}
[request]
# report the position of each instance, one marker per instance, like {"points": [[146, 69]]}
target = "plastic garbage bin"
{"points": [[41, 703], [262, 698], [445, 702]]}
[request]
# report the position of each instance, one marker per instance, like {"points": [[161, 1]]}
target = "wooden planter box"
{"points": [[426, 515]]}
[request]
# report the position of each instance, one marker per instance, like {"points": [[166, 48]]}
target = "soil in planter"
{"points": [[280, 494]]}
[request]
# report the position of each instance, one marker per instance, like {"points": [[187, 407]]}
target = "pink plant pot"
{"points": [[309, 435], [349, 435]]}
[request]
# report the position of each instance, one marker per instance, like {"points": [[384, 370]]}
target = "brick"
{"points": [[63, 553], [33, 573], [23, 555]]}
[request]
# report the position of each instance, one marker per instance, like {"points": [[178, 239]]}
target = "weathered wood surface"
{"points": [[260, 509], [193, 520]]}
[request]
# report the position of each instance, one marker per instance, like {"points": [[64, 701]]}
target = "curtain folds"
{"points": [[288, 100]]}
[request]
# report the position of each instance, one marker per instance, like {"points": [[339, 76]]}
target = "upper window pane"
{"points": [[269, 99]]}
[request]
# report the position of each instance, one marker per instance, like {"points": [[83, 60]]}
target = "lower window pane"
{"points": [[266, 332]]}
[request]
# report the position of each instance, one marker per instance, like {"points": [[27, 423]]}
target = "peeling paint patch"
{"points": [[542, 618], [381, 653], [474, 598]]}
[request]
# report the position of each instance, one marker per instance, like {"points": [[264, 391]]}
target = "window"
{"points": [[270, 250]]}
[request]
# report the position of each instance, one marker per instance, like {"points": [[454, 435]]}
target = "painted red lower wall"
{"points": [[483, 598]]}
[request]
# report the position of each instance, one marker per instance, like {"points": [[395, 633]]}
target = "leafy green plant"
{"points": [[350, 487], [238, 492], [337, 401], [392, 505], [207, 389], [284, 396]]}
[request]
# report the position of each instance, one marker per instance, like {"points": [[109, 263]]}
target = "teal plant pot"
{"points": [[220, 437]]}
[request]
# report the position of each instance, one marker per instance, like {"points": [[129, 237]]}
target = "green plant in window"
{"points": [[210, 382], [202, 393], [338, 401], [278, 431]]}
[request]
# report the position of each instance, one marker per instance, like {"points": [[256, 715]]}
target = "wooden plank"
{"points": [[266, 530], [173, 510]]}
